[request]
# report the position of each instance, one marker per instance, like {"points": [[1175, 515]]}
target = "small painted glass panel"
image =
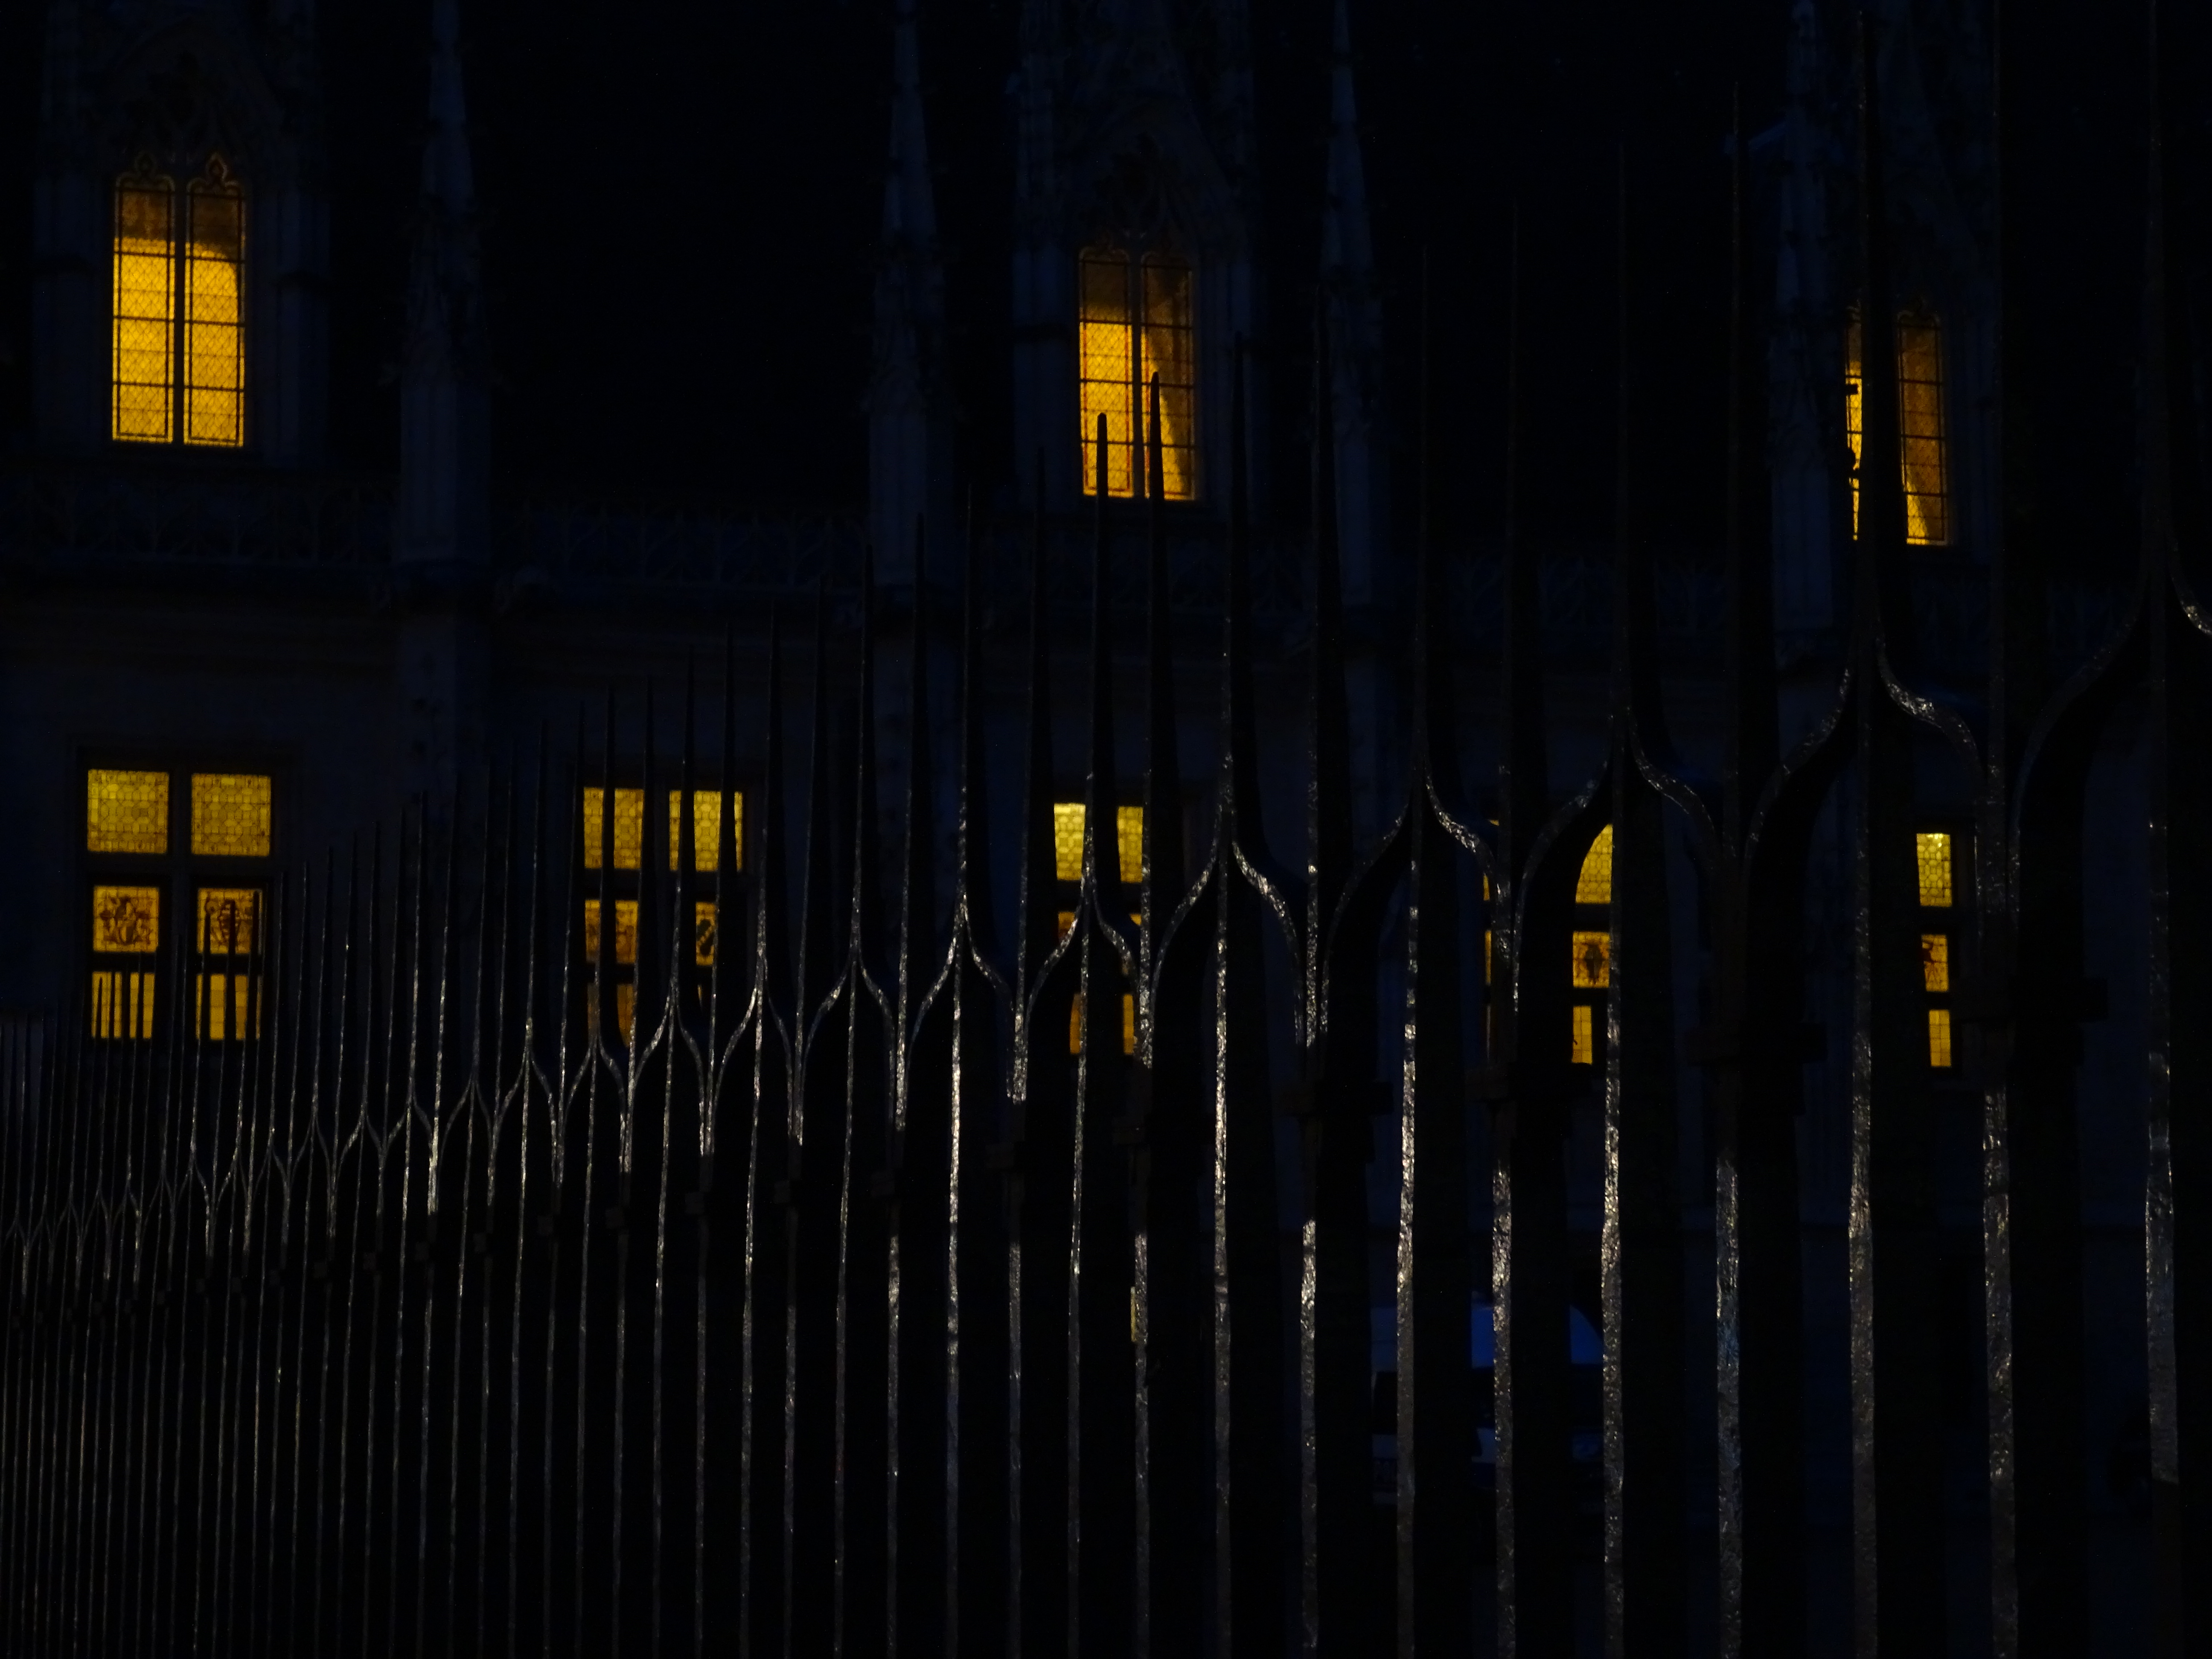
{"points": [[1935, 960], [1591, 960], [229, 920], [126, 920]]}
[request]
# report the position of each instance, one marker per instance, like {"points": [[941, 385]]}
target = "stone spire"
{"points": [[908, 451], [443, 418], [442, 535], [1354, 315], [1807, 460]]}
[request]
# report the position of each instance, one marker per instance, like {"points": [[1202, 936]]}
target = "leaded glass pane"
{"points": [[215, 311], [126, 812], [1935, 960], [629, 828], [230, 815], [1068, 840], [144, 372], [1595, 884], [1934, 849]]}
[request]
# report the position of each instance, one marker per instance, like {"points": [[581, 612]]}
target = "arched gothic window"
{"points": [[1136, 318], [179, 319], [1590, 962], [1923, 458]]}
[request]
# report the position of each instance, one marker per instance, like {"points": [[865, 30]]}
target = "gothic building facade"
{"points": [[286, 552]]}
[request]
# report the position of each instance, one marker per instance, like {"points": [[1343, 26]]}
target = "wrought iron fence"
{"points": [[843, 1270]]}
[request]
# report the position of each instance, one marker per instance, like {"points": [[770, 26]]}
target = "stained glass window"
{"points": [[144, 388], [629, 828], [225, 1006], [126, 920], [1128, 1025], [228, 920], [126, 812], [214, 310], [1584, 1036], [122, 1006], [1067, 821], [1933, 849], [706, 825], [1591, 960], [1923, 458], [175, 268], [230, 815], [1939, 1036], [1935, 960], [625, 931], [1136, 320], [703, 936], [1595, 884]]}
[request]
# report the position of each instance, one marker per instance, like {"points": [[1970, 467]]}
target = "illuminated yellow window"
{"points": [[122, 1006], [224, 1006], [1934, 850], [625, 931], [126, 812], [1067, 821], [706, 826], [228, 921], [214, 310], [1584, 1036], [1939, 1036], [230, 815], [1922, 458], [1595, 884], [1135, 318], [144, 372], [1128, 1025], [179, 368], [629, 828], [1935, 960], [1592, 956], [703, 936]]}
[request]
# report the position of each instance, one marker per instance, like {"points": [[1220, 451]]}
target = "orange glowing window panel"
{"points": [[230, 815], [1924, 457], [1595, 884], [177, 371], [1939, 1036], [1136, 318], [1582, 1036], [126, 812], [703, 936]]}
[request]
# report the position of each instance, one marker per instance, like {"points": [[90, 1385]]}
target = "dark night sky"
{"points": [[680, 204]]}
